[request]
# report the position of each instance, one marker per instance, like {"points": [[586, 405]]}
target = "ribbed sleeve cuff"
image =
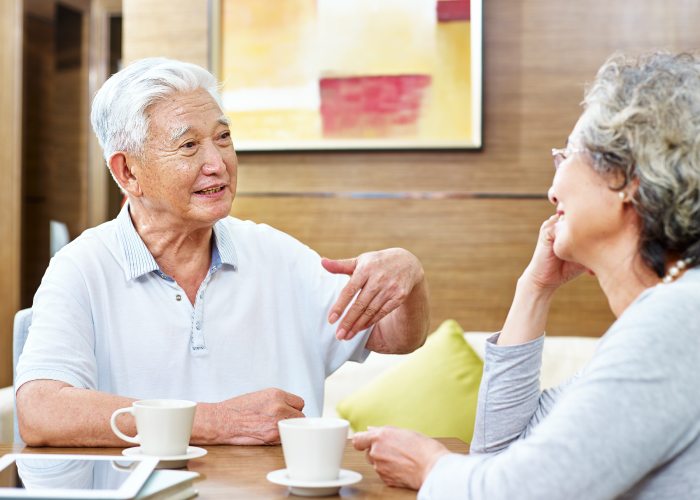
{"points": [[449, 478]]}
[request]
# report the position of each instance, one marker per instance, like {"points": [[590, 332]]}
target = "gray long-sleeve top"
{"points": [[626, 427]]}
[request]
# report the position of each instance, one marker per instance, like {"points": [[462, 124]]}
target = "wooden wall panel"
{"points": [[166, 28], [10, 172], [38, 157], [69, 178], [473, 251]]}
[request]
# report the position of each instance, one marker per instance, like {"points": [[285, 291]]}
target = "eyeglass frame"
{"points": [[566, 153]]}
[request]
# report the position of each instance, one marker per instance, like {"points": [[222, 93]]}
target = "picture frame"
{"points": [[363, 75]]}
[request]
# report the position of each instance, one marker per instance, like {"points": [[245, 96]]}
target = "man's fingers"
{"points": [[294, 401], [382, 307], [357, 309], [345, 297], [344, 266]]}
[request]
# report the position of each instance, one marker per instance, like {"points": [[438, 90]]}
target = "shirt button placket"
{"points": [[198, 340]]}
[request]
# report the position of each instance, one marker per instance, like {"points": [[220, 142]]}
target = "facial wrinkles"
{"points": [[181, 114]]}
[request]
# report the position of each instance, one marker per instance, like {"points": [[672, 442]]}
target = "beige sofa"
{"points": [[562, 357]]}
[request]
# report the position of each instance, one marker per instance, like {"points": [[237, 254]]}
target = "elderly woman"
{"points": [[175, 299], [627, 192]]}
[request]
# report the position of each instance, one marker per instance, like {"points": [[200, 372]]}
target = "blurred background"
{"points": [[471, 217]]}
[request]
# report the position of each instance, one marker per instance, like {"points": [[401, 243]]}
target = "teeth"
{"points": [[562, 217], [211, 190]]}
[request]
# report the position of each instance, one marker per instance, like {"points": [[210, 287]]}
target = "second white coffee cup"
{"points": [[164, 426], [313, 447]]}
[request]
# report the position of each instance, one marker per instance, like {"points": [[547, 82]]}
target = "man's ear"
{"points": [[122, 165]]}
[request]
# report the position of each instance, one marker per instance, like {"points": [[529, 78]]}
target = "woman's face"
{"points": [[592, 218]]}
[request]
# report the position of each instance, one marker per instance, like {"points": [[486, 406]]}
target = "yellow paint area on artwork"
{"points": [[446, 113], [268, 43], [282, 125], [367, 37]]}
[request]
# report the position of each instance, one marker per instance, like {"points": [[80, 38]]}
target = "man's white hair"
{"points": [[119, 108]]}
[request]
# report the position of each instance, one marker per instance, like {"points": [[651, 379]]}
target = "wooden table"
{"points": [[239, 471]]}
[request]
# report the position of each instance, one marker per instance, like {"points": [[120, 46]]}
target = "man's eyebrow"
{"points": [[179, 132]]}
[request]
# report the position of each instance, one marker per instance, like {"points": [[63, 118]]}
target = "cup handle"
{"points": [[120, 434], [125, 468]]}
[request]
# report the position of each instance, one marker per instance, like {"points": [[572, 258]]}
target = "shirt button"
{"points": [[178, 297], [201, 295], [213, 268], [199, 326]]}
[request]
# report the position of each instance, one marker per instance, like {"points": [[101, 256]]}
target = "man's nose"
{"points": [[213, 162]]}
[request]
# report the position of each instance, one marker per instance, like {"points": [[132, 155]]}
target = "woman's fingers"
{"points": [[363, 440], [400, 457]]}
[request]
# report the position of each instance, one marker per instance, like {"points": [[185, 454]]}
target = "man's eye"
{"points": [[226, 135], [189, 144]]}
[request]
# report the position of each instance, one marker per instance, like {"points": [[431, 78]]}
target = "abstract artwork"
{"points": [[351, 74]]}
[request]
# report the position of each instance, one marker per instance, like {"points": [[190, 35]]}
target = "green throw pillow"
{"points": [[434, 391]]}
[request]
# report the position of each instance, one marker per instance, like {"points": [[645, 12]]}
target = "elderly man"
{"points": [[175, 299]]}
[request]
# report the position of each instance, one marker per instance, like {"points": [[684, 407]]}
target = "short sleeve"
{"points": [[61, 341], [323, 289]]}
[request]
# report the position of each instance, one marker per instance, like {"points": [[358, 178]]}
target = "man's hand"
{"points": [[251, 419], [402, 458], [53, 413], [384, 279]]}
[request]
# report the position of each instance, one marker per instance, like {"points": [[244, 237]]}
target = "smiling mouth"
{"points": [[210, 190]]}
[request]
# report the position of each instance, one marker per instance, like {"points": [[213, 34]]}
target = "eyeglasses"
{"points": [[563, 154]]}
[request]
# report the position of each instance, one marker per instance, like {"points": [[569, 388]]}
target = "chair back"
{"points": [[19, 337]]}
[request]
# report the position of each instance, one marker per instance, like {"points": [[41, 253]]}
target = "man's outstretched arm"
{"points": [[53, 413], [393, 296]]}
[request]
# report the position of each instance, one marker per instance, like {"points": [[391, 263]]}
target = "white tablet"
{"points": [[26, 475]]}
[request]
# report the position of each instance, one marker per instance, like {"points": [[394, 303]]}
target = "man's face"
{"points": [[189, 165]]}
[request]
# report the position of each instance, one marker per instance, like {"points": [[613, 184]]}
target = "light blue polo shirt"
{"points": [[107, 318]]}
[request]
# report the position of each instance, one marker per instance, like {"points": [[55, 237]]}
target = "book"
{"points": [[169, 485]]}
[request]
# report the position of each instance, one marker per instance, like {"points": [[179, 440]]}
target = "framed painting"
{"points": [[350, 74]]}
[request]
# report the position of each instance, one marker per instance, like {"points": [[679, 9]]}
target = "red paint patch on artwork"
{"points": [[372, 106], [453, 10]]}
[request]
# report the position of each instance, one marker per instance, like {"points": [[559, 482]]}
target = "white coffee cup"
{"points": [[164, 426], [313, 447]]}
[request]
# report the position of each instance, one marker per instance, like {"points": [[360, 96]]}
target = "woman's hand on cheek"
{"points": [[402, 458], [547, 271]]}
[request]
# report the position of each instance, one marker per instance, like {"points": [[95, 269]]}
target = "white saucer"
{"points": [[170, 462], [314, 488]]}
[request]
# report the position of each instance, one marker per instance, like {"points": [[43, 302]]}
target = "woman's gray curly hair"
{"points": [[642, 122]]}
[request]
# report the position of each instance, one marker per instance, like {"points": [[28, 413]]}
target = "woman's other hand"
{"points": [[546, 271], [402, 458]]}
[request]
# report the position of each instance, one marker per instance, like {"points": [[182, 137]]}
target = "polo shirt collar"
{"points": [[138, 259]]}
